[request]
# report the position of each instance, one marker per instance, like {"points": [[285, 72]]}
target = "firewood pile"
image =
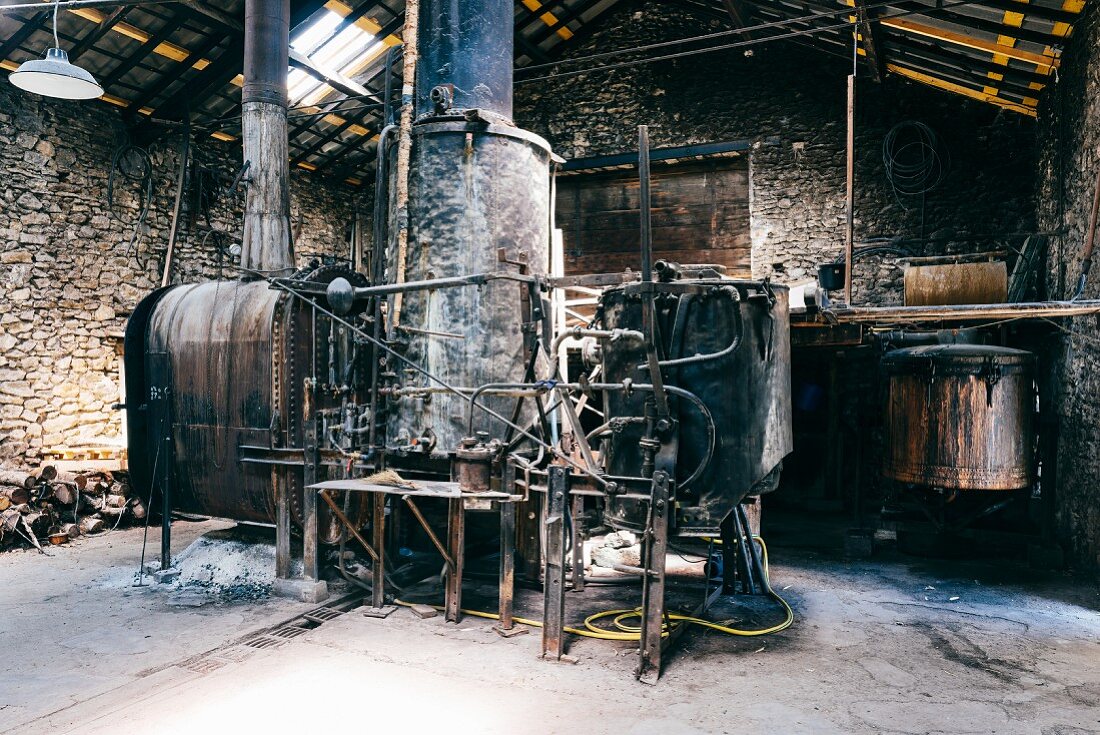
{"points": [[46, 506]]}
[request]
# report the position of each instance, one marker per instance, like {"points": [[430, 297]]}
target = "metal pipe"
{"points": [[649, 309], [181, 179], [965, 312], [738, 337], [467, 57], [849, 190], [578, 332], [282, 285], [266, 245], [644, 209]]}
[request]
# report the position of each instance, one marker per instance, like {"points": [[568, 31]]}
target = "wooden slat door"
{"points": [[700, 214]]}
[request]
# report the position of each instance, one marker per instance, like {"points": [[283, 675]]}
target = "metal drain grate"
{"points": [[322, 614], [236, 653], [265, 641], [290, 631], [206, 665]]}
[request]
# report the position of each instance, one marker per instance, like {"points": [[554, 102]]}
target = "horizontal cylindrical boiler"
{"points": [[215, 380]]}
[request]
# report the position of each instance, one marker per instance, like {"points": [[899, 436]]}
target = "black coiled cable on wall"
{"points": [[915, 159], [132, 163]]}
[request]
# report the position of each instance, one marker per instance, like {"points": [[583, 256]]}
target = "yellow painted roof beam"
{"points": [[369, 25], [165, 49], [1044, 63], [984, 96], [548, 18]]}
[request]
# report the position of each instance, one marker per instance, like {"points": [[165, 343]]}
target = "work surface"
{"points": [[878, 646]]}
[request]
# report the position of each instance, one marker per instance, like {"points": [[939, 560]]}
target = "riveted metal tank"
{"points": [[747, 391], [479, 202], [214, 381], [960, 417]]}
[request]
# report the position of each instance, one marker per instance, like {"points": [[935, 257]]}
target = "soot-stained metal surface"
{"points": [[215, 378], [479, 203], [960, 417], [747, 392]]}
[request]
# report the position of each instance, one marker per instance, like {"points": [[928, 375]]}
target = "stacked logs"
{"points": [[46, 506]]}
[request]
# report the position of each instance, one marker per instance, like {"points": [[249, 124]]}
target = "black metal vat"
{"points": [[728, 344], [960, 417]]}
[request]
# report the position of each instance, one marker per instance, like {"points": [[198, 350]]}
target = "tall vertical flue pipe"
{"points": [[266, 247]]}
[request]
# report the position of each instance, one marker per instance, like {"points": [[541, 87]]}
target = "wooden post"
{"points": [[404, 148], [850, 189]]}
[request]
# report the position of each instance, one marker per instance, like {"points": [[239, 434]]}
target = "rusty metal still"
{"points": [[960, 417]]}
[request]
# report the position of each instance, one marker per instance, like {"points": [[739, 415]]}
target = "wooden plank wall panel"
{"points": [[700, 215]]}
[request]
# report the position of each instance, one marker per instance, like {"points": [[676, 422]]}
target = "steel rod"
{"points": [[428, 530], [354, 532], [965, 312], [79, 4], [849, 190]]}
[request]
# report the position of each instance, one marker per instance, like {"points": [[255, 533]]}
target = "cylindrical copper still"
{"points": [[960, 417]]}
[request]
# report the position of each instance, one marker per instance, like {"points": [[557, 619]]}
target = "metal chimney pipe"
{"points": [[266, 245], [466, 57]]}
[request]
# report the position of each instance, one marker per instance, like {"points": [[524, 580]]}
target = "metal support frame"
{"points": [[311, 458], [576, 515], [505, 601], [378, 607], [653, 582], [281, 491], [456, 534], [553, 565], [731, 558], [166, 501]]}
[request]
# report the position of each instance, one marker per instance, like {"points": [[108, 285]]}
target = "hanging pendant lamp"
{"points": [[54, 76]]}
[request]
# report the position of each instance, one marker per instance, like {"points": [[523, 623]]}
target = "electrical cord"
{"points": [[621, 630], [133, 163], [915, 159]]}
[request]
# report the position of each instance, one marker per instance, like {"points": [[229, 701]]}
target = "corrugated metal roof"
{"points": [[166, 60]]}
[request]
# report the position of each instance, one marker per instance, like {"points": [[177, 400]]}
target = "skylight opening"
{"points": [[340, 54]]}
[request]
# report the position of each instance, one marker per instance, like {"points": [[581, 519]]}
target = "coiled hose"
{"points": [[621, 630]]}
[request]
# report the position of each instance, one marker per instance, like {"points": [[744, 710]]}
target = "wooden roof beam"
{"points": [[333, 134], [89, 39], [1044, 64], [136, 57], [869, 35], [25, 31], [738, 14], [152, 92]]}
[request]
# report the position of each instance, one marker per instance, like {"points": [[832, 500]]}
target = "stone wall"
{"points": [[1068, 164], [790, 101], [69, 276]]}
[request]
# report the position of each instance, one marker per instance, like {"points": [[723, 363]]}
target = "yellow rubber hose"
{"points": [[624, 631]]}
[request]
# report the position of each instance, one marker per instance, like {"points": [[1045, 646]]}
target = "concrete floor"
{"points": [[879, 646]]}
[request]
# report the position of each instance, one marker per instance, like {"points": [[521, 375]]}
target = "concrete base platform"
{"points": [[300, 589], [894, 645]]}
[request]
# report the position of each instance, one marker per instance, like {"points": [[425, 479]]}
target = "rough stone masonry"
{"points": [[789, 102], [69, 275]]}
